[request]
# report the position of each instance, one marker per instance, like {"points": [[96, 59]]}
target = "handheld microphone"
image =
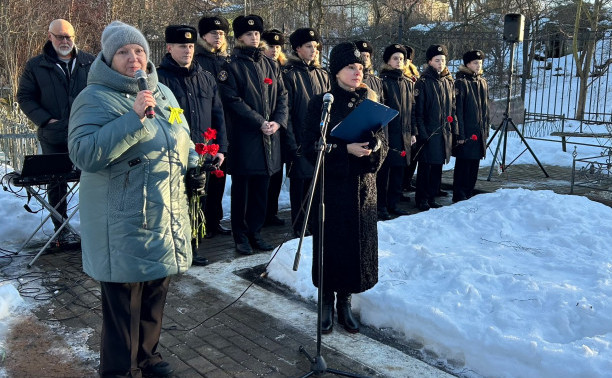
{"points": [[328, 99], [141, 78]]}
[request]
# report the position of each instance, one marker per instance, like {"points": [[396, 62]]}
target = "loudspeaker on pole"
{"points": [[514, 25]]}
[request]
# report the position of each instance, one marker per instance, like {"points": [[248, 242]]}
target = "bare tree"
{"points": [[583, 48]]}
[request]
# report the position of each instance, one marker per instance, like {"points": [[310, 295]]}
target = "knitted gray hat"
{"points": [[116, 35]]}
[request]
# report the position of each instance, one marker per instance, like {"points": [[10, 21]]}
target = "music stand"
{"points": [[317, 363], [503, 128], [47, 170]]}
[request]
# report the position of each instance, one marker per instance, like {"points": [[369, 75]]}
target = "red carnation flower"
{"points": [[210, 134], [403, 153], [213, 149], [218, 173], [474, 137], [268, 81], [449, 119], [200, 148]]}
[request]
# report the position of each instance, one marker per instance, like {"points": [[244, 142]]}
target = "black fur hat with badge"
{"points": [[243, 24], [181, 34], [364, 46], [341, 56], [303, 35], [392, 49], [208, 24], [472, 55], [273, 37], [435, 50]]}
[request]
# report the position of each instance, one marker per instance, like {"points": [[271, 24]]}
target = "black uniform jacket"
{"points": [[208, 60], [399, 95], [472, 99], [197, 93], [302, 82], [434, 103], [253, 92]]}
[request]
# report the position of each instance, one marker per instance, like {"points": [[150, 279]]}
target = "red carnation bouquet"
{"points": [[206, 152]]}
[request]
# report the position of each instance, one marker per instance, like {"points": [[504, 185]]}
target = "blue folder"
{"points": [[367, 117]]}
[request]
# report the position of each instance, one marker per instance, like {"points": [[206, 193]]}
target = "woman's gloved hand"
{"points": [[195, 182]]}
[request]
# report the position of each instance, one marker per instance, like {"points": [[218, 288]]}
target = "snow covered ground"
{"points": [[515, 283]]}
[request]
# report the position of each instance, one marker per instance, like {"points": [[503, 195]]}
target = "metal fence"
{"points": [[16, 137]]}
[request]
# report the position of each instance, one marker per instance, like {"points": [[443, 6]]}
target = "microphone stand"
{"points": [[317, 363]]}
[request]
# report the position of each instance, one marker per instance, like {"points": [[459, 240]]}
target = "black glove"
{"points": [[195, 182], [210, 166]]}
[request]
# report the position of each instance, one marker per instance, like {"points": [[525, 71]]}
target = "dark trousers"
{"points": [[131, 325], [274, 189], [298, 191], [389, 182], [56, 191], [464, 178], [429, 177], [213, 209], [411, 168], [248, 210]]}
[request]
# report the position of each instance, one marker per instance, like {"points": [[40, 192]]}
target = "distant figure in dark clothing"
{"points": [[197, 93], [48, 86], [473, 117], [436, 125]]}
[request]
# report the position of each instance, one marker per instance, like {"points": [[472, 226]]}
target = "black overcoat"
{"points": [[434, 102], [302, 82], [472, 99], [44, 92], [374, 83], [197, 93], [350, 234], [210, 61], [399, 95], [252, 91]]}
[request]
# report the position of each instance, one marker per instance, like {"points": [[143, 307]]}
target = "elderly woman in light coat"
{"points": [[134, 211]]}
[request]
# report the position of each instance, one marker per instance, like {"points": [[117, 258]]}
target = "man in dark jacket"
{"points": [[436, 124], [197, 93], [372, 81], [48, 86], [304, 78], [255, 102], [473, 117], [211, 54]]}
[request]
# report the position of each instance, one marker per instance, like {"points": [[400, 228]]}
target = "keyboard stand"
{"points": [[52, 213]]}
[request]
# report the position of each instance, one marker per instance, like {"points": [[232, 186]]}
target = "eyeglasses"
{"points": [[219, 33], [62, 37]]}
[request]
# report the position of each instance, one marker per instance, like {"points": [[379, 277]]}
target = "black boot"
{"points": [[327, 318], [345, 315]]}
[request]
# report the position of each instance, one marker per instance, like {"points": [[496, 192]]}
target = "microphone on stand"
{"points": [[141, 78], [328, 99]]}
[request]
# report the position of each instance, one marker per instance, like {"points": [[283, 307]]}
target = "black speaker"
{"points": [[514, 24]]}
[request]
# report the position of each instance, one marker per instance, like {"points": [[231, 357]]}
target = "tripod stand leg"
{"points": [[502, 129], [529, 148]]}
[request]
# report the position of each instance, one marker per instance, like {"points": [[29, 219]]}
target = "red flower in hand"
{"points": [[213, 149], [200, 148], [474, 137], [218, 173], [403, 153], [210, 134], [449, 119], [268, 81]]}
